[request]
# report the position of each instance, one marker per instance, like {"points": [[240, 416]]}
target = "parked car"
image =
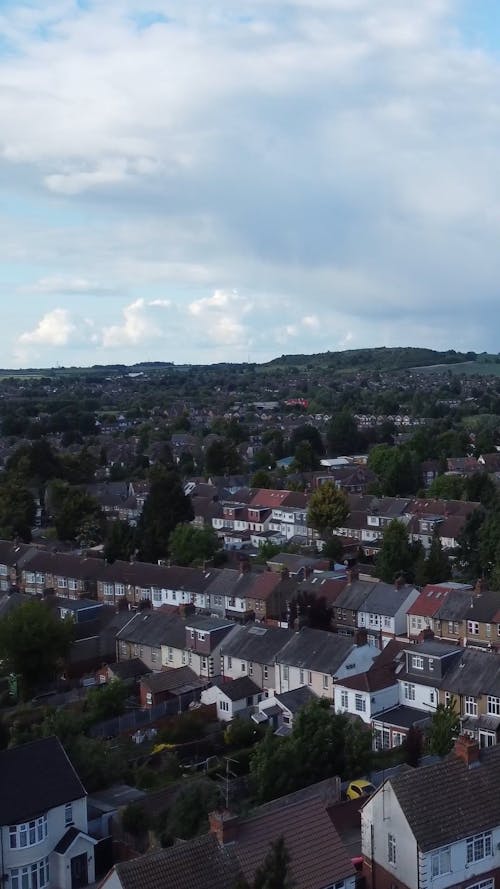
{"points": [[359, 788]]}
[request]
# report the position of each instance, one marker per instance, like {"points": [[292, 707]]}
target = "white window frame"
{"points": [[409, 691], [344, 699], [359, 703], [479, 847], [470, 705], [473, 627], [417, 662], [441, 862], [28, 833], [483, 884], [22, 877], [68, 814], [493, 705]]}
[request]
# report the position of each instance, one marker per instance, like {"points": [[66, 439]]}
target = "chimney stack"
{"points": [[467, 749], [245, 566], [223, 825], [360, 637], [480, 586], [425, 634], [399, 582], [352, 574]]}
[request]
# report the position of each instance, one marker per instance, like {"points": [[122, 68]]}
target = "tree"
{"points": [[328, 508], [119, 542], [188, 545], [17, 512], [447, 487], [76, 512], [188, 815], [468, 556], [165, 507], [34, 643], [444, 728], [104, 702], [222, 458], [479, 487], [397, 469], [437, 566], [333, 549], [135, 820], [305, 459], [395, 556], [274, 872], [309, 433], [342, 435], [261, 479]]}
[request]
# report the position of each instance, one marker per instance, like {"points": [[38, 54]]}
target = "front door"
{"points": [[79, 871]]}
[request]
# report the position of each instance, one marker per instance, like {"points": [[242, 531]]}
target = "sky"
{"points": [[225, 180]]}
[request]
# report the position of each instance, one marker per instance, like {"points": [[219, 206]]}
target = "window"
{"points": [[452, 626], [447, 698], [229, 663], [73, 584], [417, 662], [470, 706], [266, 672], [120, 589], [223, 705], [409, 691], [301, 677], [170, 654], [397, 739], [203, 663], [473, 627], [149, 698], [32, 876], [62, 582], [310, 678], [387, 623], [250, 668], [430, 663], [155, 655], [493, 706], [108, 589], [391, 848], [441, 862], [488, 630], [360, 703], [344, 700], [68, 814], [201, 637], [156, 595], [285, 673], [243, 667], [28, 834], [479, 847], [484, 884]]}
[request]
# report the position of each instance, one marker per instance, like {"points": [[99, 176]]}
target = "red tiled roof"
{"points": [[269, 498], [429, 601]]}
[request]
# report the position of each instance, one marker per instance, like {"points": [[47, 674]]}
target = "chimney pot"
{"points": [[467, 749], [360, 637]]}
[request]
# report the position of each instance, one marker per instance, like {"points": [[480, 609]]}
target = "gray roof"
{"points": [[131, 669], [474, 673], [316, 650], [256, 643], [154, 628], [176, 681], [456, 606], [386, 598], [230, 581], [446, 802], [201, 862], [237, 689], [355, 594], [434, 648], [402, 717], [206, 624], [34, 778], [296, 699]]}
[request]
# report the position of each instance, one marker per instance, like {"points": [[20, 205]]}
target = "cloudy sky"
{"points": [[206, 180]]}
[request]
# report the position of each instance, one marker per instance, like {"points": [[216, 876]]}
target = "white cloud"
{"points": [[141, 324], [54, 329], [220, 318], [59, 284]]}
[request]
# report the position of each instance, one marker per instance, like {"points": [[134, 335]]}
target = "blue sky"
{"points": [[193, 180]]}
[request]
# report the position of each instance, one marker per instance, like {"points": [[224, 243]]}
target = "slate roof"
{"points": [[456, 606], [446, 802], [131, 669], [318, 858], [485, 607], [355, 594], [154, 628], [386, 598], [402, 717], [180, 679], [65, 842], [475, 673], [295, 699], [200, 863], [257, 643], [316, 650], [237, 689], [34, 778]]}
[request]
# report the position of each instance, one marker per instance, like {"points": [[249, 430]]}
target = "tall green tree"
{"points": [[119, 542], [17, 512], [75, 510], [165, 507], [307, 432], [34, 643], [437, 566], [342, 435], [396, 556], [444, 728], [222, 458], [328, 509], [189, 545], [305, 458]]}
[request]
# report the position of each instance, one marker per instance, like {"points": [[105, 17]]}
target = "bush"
{"points": [[135, 820]]}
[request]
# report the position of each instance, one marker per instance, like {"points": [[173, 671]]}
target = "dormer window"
{"points": [[417, 662]]}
